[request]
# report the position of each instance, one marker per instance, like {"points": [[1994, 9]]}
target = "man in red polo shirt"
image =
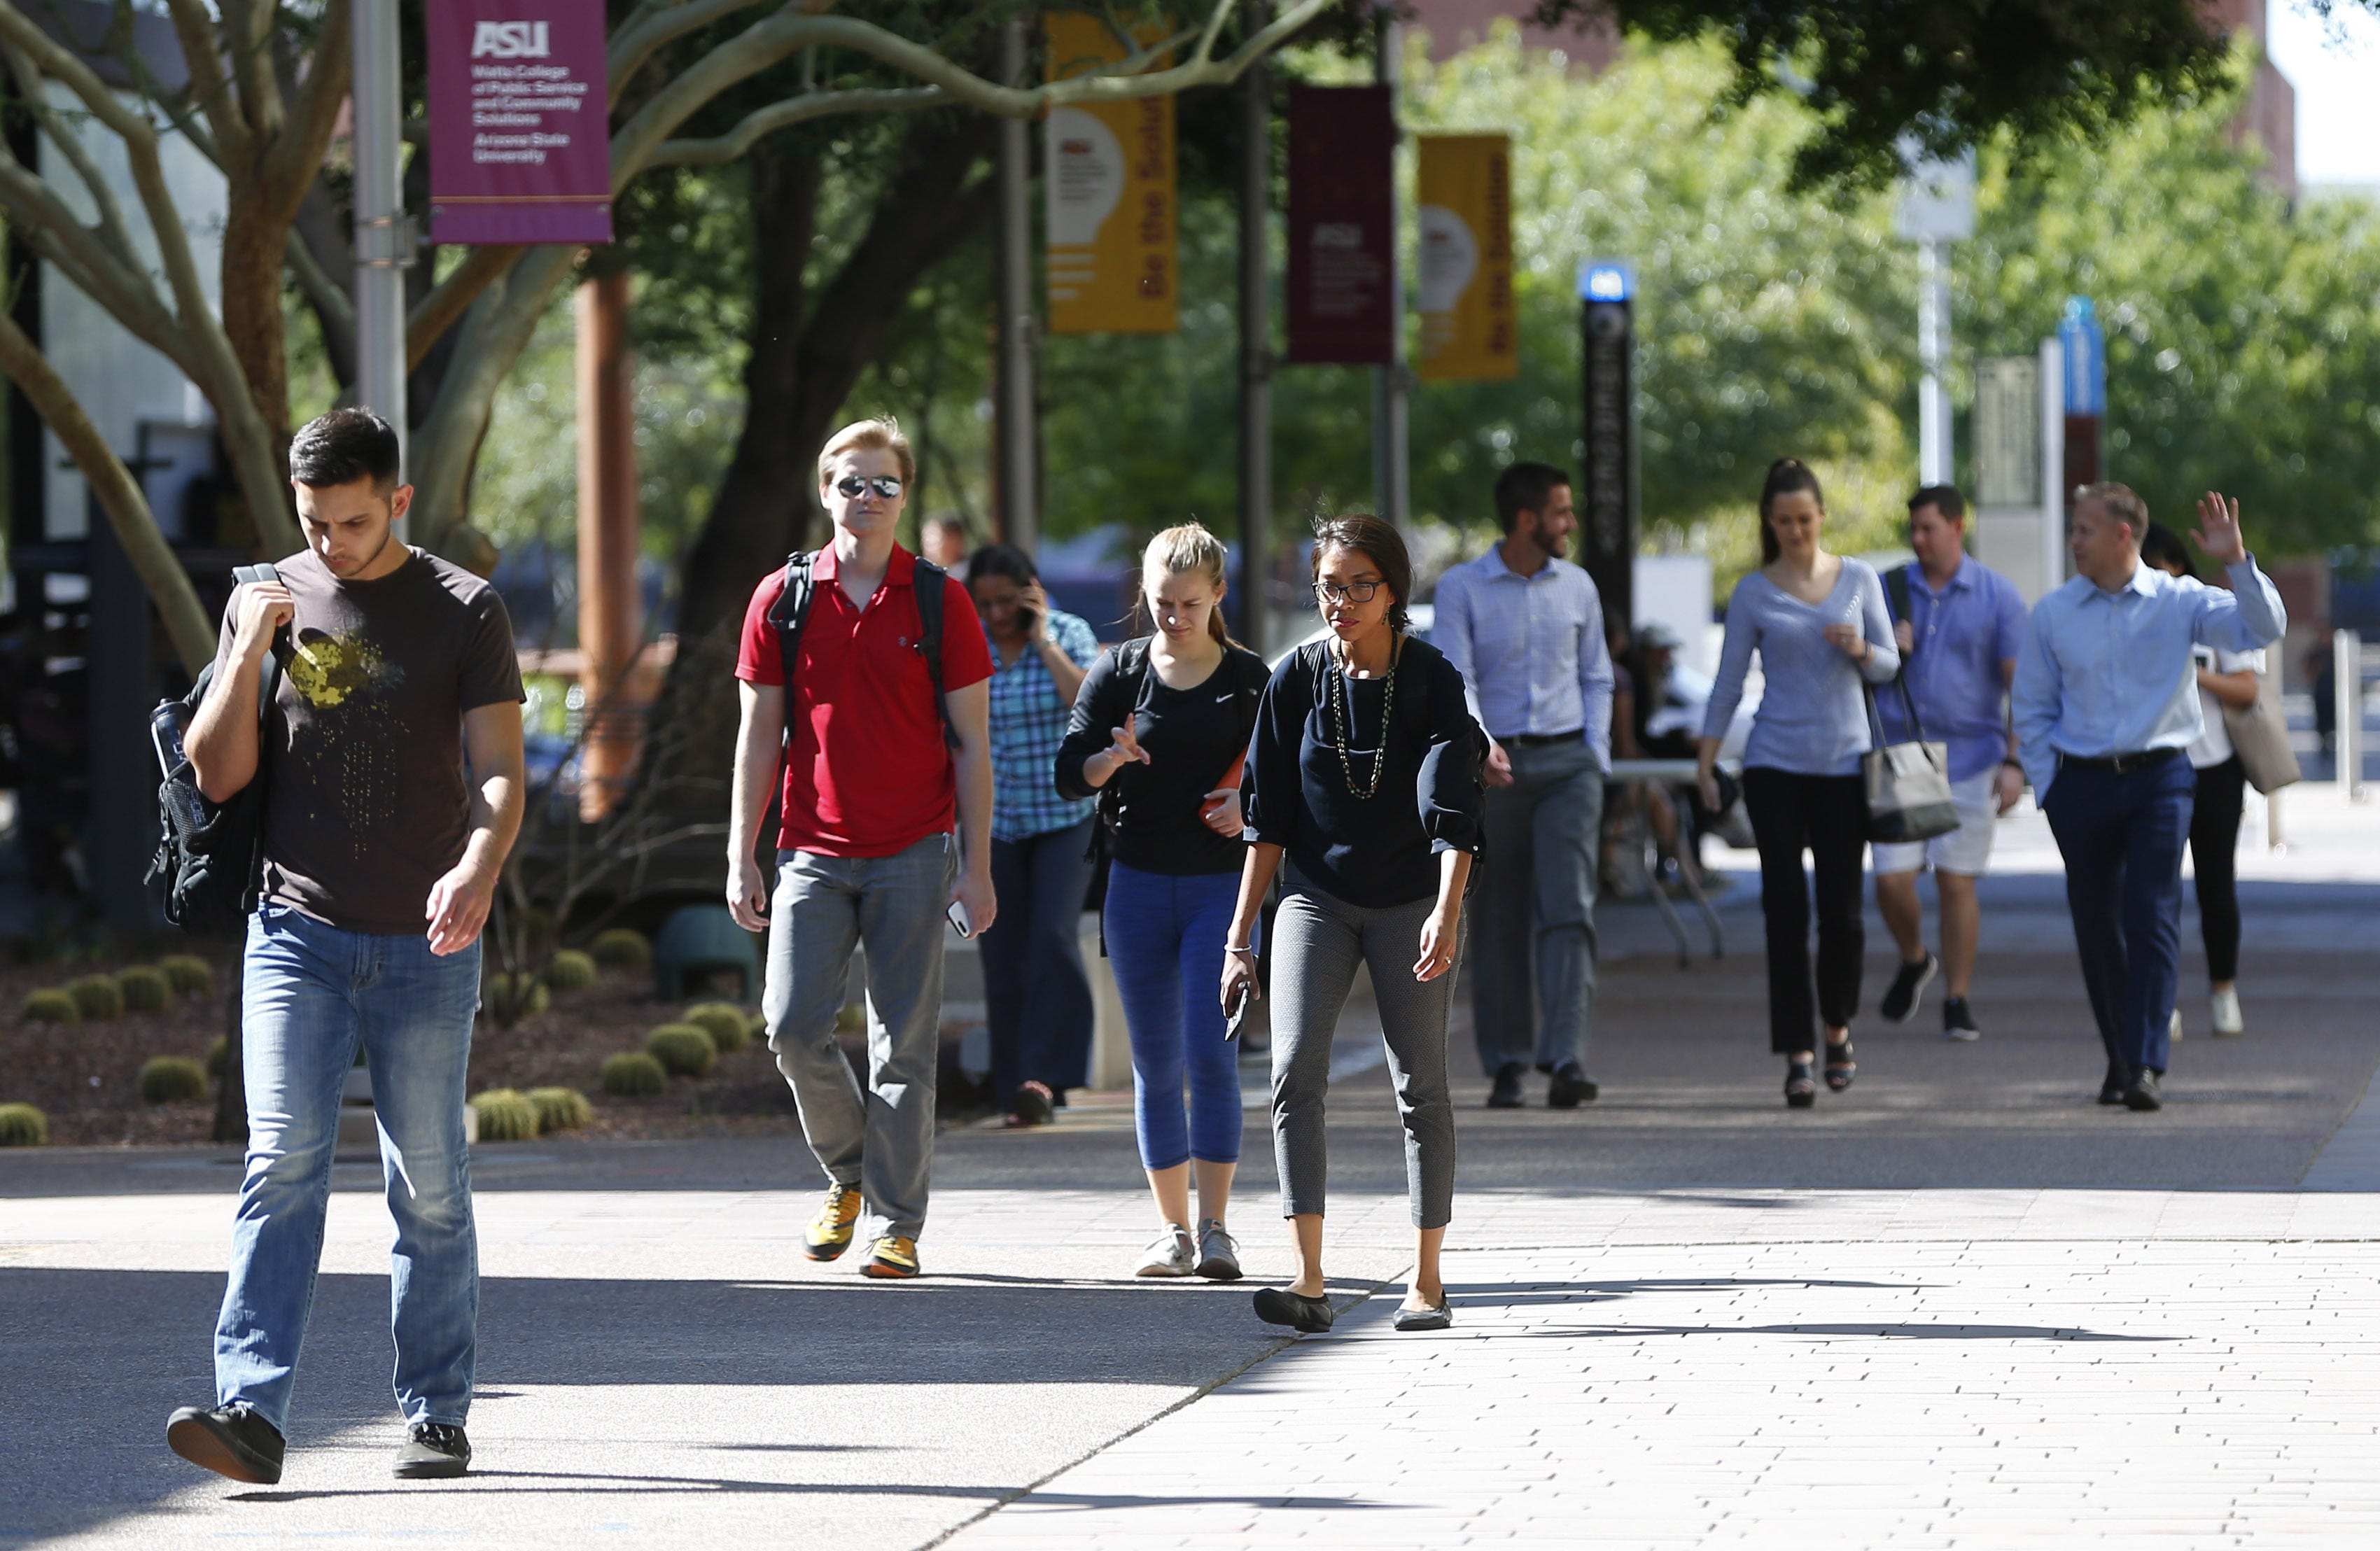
{"points": [[864, 854]]}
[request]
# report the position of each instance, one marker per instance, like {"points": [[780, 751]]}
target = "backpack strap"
{"points": [[787, 615], [931, 582]]}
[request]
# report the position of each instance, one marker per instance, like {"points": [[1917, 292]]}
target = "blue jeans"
{"points": [[310, 994], [1165, 943], [1037, 1002], [2121, 834]]}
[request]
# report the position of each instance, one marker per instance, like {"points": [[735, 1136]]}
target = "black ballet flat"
{"points": [[1840, 1067], [1801, 1087], [1278, 1305]]}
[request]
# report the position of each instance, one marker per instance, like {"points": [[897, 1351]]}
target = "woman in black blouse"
{"points": [[1364, 774]]}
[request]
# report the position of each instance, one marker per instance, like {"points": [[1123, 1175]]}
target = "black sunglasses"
{"points": [[884, 485]]}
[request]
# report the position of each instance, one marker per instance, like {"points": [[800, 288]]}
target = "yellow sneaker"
{"points": [[829, 1233], [890, 1258]]}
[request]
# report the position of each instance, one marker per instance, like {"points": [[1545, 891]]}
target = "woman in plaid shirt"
{"points": [[1037, 1000]]}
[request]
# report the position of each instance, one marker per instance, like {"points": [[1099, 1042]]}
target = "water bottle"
{"points": [[165, 733]]}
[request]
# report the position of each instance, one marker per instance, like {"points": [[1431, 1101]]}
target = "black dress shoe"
{"points": [[1506, 1094], [1436, 1316], [1278, 1305], [229, 1440], [1571, 1087], [2140, 1095], [2112, 1086], [436, 1451]]}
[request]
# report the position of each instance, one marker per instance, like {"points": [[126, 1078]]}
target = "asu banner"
{"points": [[1109, 175], [1468, 332], [520, 147]]}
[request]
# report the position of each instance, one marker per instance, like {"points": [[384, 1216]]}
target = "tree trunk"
{"points": [[252, 267], [797, 385]]}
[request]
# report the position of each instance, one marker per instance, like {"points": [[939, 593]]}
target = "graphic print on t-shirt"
{"points": [[327, 668], [345, 678]]}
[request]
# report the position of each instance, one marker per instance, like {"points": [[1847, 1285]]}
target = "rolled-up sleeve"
{"points": [[1269, 794], [1875, 623], [1098, 705], [1447, 792], [2248, 616]]}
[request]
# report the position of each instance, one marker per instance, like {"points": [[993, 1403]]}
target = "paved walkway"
{"points": [[1959, 1305]]}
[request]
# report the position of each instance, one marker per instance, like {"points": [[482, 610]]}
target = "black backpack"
{"points": [[792, 612], [210, 855]]}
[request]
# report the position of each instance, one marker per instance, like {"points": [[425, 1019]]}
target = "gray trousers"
{"points": [[1317, 942], [1533, 916], [881, 1140]]}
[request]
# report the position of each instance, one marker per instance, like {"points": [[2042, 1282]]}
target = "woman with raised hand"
{"points": [[1159, 733], [1818, 621], [1037, 999], [1364, 776]]}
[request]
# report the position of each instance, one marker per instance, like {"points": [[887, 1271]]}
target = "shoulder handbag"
{"points": [[1908, 783], [2260, 734]]}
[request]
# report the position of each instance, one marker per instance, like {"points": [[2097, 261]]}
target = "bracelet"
{"points": [[2016, 764], [1250, 951]]}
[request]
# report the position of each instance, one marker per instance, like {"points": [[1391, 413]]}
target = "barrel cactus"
{"points": [[95, 996], [560, 1110], [144, 989], [172, 1080], [506, 1115], [729, 1029], [682, 1049], [218, 1056], [622, 948], [189, 974], [634, 1074], [570, 970], [52, 1006], [511, 998], [21, 1125]]}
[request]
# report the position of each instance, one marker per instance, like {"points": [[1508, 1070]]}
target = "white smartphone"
{"points": [[957, 913]]}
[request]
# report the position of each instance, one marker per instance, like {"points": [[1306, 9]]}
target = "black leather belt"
{"points": [[2118, 763], [1539, 740]]}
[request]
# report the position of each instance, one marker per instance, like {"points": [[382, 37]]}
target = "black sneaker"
{"points": [[1571, 1087], [436, 1451], [229, 1440], [1901, 1000], [1958, 1020], [2141, 1094], [1506, 1094]]}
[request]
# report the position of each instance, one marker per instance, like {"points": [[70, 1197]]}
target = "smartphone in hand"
{"points": [[1235, 1017], [958, 918]]}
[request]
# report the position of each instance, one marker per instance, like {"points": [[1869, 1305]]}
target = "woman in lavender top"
{"points": [[1818, 621]]}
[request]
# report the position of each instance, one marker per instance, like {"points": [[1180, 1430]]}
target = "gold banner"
{"points": [[1468, 332], [1109, 177]]}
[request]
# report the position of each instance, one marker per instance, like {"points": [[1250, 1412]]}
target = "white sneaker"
{"points": [[2225, 1004], [2173, 1030], [1219, 1253], [1172, 1253]]}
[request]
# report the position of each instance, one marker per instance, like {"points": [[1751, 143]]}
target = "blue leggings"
{"points": [[1165, 942]]}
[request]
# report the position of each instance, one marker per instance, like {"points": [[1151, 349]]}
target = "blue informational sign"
{"points": [[1606, 280], [2085, 349]]}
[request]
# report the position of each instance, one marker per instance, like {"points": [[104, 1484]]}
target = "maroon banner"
{"points": [[1343, 234], [520, 145]]}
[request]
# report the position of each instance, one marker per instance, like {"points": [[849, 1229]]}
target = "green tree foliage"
{"points": [[2243, 337]]}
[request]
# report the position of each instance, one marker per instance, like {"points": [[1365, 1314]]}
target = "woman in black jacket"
{"points": [[1158, 733], [1364, 775]]}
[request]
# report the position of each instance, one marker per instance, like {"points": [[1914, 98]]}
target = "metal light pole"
{"points": [[1391, 482], [1933, 357], [1256, 346], [384, 240], [1017, 452]]}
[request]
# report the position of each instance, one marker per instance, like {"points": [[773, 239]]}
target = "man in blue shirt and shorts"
{"points": [[1960, 627]]}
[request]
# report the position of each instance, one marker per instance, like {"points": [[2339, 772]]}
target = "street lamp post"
{"points": [[384, 236], [1391, 471]]}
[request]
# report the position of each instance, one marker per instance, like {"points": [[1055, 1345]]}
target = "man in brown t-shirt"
{"points": [[393, 786]]}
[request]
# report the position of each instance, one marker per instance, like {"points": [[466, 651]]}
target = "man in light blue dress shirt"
{"points": [[2106, 705], [1525, 628]]}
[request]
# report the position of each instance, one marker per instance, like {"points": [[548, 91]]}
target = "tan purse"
{"points": [[2260, 734]]}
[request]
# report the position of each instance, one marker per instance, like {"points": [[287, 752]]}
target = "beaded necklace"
{"points": [[1342, 725]]}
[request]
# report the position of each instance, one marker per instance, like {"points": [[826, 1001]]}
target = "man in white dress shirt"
{"points": [[1525, 628]]}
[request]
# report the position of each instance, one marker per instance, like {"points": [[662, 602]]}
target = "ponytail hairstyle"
{"points": [[1180, 550], [1785, 477]]}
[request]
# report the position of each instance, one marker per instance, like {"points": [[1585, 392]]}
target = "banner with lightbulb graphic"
{"points": [[1109, 182], [1468, 330]]}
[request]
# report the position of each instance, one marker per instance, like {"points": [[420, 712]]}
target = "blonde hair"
{"points": [[1178, 552], [881, 432]]}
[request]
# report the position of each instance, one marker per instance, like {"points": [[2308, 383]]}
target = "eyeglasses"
{"points": [[1359, 592], [884, 485]]}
